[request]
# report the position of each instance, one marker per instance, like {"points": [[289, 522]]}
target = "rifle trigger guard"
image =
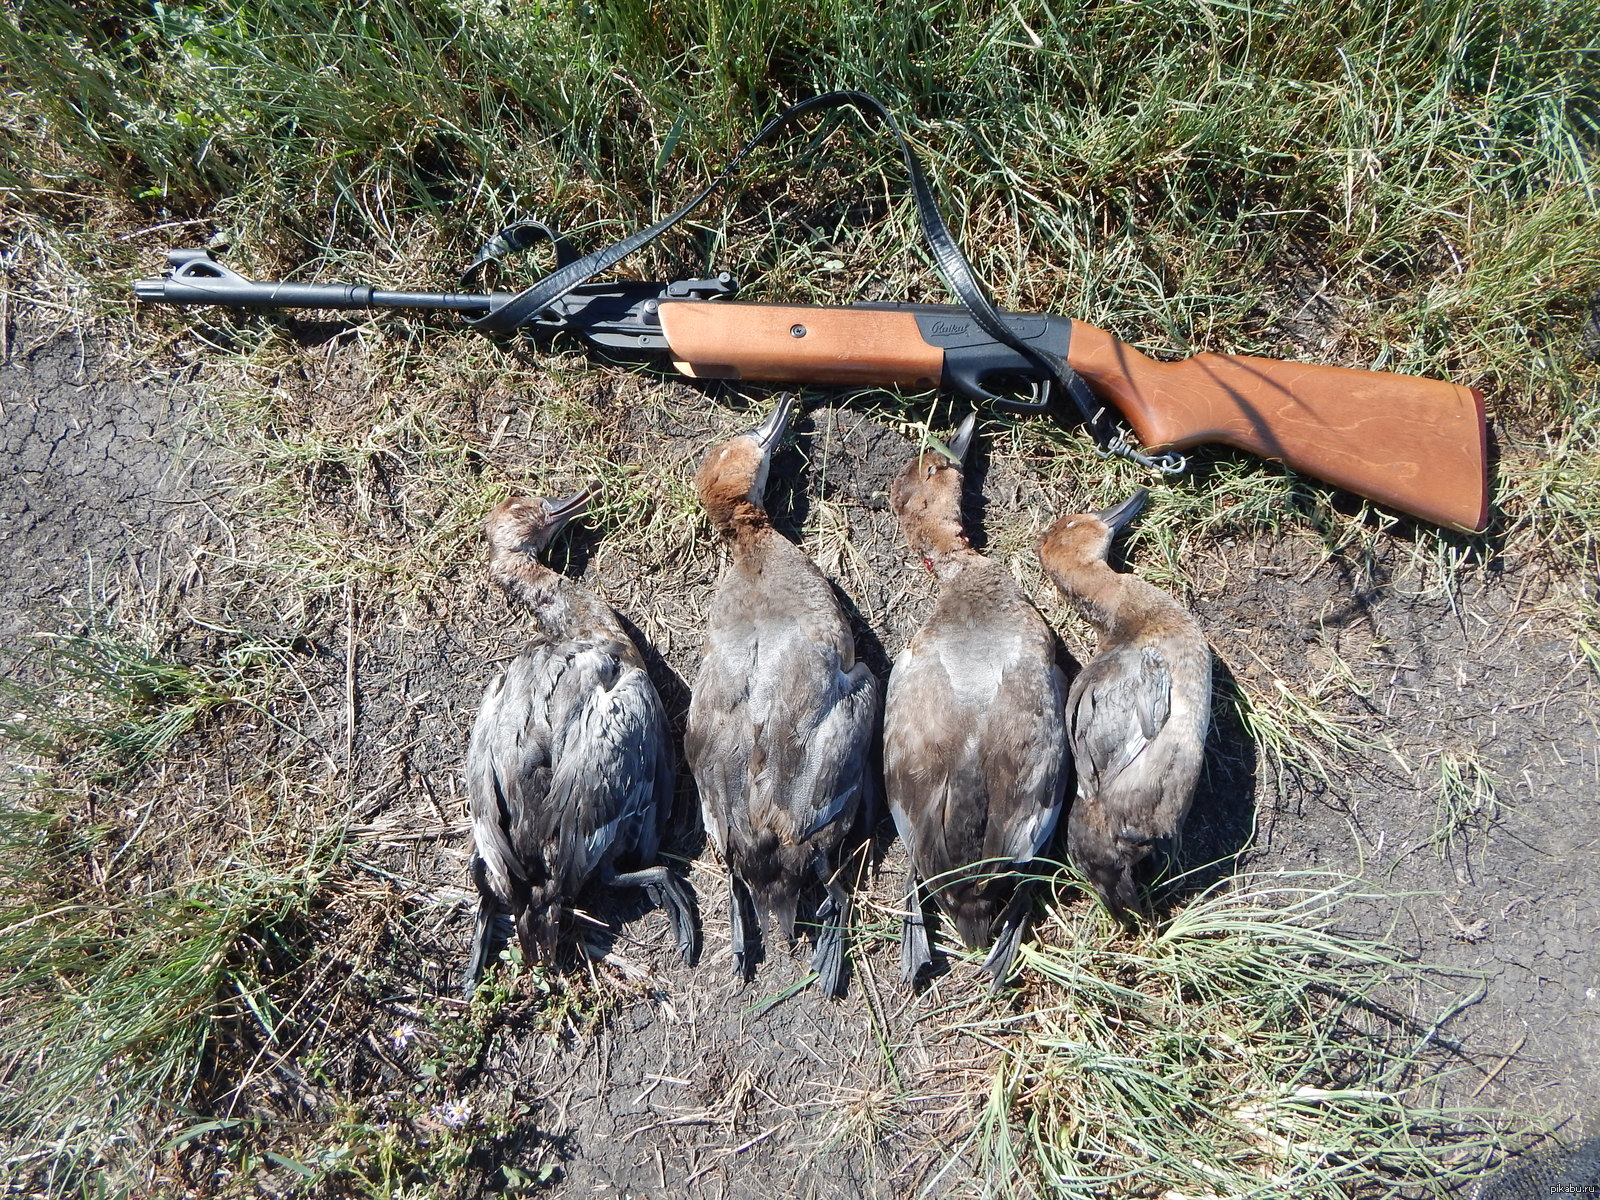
{"points": [[198, 264], [1037, 399]]}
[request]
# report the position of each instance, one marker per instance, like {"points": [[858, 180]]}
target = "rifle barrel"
{"points": [[236, 293]]}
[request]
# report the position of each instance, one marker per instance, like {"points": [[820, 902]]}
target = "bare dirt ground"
{"points": [[683, 1081], [101, 483]]}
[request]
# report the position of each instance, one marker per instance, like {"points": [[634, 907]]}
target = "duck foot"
{"points": [[491, 931], [1013, 926], [915, 953], [739, 932], [833, 914], [672, 896]]}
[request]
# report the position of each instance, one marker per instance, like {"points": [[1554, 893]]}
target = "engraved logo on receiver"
{"points": [[943, 328]]}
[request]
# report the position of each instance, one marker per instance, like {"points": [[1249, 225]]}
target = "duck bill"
{"points": [[770, 432], [562, 511], [961, 440], [1119, 515]]}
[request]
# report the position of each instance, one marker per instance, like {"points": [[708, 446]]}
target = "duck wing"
{"points": [[610, 754], [565, 759], [930, 764], [974, 772], [1025, 760], [820, 761], [1119, 705], [720, 733], [778, 734], [508, 763]]}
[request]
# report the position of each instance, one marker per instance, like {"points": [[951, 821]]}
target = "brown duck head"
{"points": [[733, 476], [1078, 540], [926, 497], [528, 524]]}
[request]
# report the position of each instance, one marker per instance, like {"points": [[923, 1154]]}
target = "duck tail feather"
{"points": [[833, 917], [915, 953], [484, 933]]}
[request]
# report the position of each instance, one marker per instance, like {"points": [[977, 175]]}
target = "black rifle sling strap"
{"points": [[951, 262], [514, 239]]}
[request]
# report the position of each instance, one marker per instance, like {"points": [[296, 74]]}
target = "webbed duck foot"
{"points": [[491, 930], [739, 933], [916, 955], [1013, 928], [673, 897], [833, 914]]}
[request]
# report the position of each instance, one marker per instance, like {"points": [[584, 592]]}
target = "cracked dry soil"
{"points": [[695, 1083]]}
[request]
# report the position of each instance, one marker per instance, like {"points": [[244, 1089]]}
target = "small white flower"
{"points": [[402, 1035], [453, 1113]]}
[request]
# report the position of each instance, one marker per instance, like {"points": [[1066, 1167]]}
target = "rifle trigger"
{"points": [[1037, 399]]}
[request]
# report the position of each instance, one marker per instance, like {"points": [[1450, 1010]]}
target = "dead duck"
{"points": [[570, 767], [781, 714], [974, 741], [1137, 714]]}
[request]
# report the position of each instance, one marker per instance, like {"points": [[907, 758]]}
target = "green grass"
{"points": [[112, 703], [1300, 732], [1468, 798], [138, 951], [1245, 1046], [117, 1006], [1409, 186]]}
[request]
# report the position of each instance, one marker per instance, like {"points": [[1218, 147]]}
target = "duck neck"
{"points": [[742, 523], [949, 560], [523, 576], [935, 533], [1098, 593], [547, 594]]}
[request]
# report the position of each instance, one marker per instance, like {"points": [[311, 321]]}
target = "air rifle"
{"points": [[1415, 444]]}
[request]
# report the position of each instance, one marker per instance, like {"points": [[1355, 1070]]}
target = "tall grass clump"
{"points": [[1243, 1047], [118, 1000], [112, 702], [142, 942]]}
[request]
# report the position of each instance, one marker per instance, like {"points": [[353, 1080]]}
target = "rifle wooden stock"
{"points": [[1415, 444], [1412, 443]]}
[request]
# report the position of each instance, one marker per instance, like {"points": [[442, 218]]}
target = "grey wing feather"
{"points": [[778, 737], [717, 740], [1007, 757], [563, 766], [1120, 703], [608, 738], [508, 762], [830, 784], [1037, 738], [923, 738], [815, 719]]}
